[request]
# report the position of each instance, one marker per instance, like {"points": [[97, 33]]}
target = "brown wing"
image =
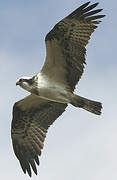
{"points": [[66, 42], [31, 118]]}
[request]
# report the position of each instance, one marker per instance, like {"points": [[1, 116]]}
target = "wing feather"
{"points": [[29, 127], [65, 63]]}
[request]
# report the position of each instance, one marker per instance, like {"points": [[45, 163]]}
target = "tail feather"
{"points": [[89, 105]]}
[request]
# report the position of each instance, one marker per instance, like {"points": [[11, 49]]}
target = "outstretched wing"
{"points": [[65, 45], [31, 118]]}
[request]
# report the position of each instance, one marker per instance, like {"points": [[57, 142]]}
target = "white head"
{"points": [[26, 83]]}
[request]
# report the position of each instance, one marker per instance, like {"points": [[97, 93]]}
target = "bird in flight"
{"points": [[52, 89]]}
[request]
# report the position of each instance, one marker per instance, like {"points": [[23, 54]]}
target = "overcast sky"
{"points": [[79, 145]]}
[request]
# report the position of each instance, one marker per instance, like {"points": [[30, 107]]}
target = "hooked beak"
{"points": [[18, 83]]}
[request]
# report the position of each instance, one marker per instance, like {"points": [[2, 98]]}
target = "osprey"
{"points": [[52, 89]]}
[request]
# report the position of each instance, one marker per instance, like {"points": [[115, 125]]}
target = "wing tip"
{"points": [[27, 165], [84, 10]]}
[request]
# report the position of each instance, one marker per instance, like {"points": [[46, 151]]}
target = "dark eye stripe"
{"points": [[30, 81]]}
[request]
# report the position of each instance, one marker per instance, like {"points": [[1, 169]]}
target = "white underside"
{"points": [[51, 90]]}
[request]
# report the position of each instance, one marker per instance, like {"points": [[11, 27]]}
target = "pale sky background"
{"points": [[79, 145]]}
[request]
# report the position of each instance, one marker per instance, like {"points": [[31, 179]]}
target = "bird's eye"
{"points": [[21, 80]]}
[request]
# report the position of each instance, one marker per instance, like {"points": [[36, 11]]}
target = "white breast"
{"points": [[51, 90]]}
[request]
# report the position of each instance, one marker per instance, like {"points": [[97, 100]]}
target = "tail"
{"points": [[89, 105]]}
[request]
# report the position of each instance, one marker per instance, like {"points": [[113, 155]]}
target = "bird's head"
{"points": [[26, 83]]}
